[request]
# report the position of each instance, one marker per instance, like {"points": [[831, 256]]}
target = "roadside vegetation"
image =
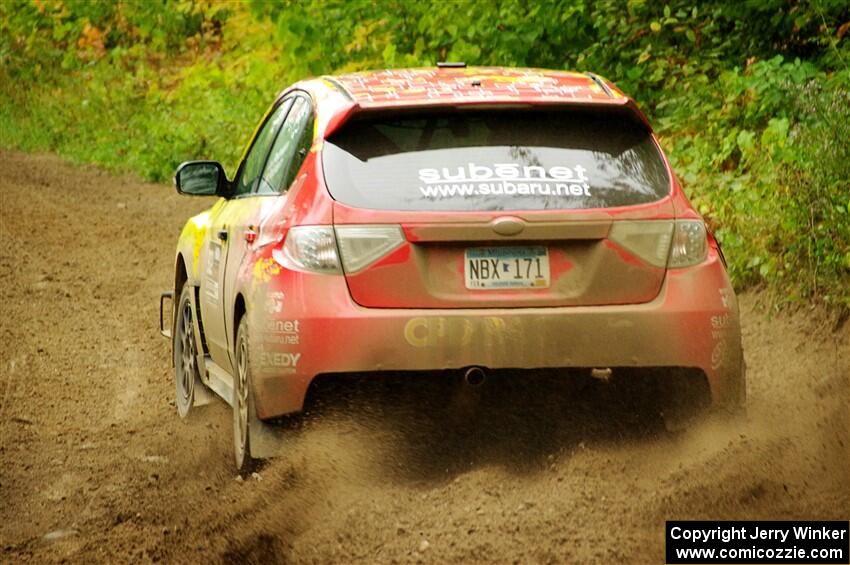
{"points": [[750, 99]]}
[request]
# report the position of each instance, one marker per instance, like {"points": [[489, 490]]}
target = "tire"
{"points": [[185, 350], [243, 403], [736, 412], [685, 398]]}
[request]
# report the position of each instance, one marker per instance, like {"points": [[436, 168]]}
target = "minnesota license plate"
{"points": [[506, 267]]}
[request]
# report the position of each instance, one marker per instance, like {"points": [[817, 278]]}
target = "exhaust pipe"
{"points": [[474, 376], [603, 375]]}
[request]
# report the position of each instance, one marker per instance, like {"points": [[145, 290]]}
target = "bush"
{"points": [[749, 98]]}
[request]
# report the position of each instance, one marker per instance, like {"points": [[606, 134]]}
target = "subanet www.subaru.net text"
{"points": [[503, 179]]}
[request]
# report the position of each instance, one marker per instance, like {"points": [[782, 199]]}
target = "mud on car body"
{"points": [[446, 219]]}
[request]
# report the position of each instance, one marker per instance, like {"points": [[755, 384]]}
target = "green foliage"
{"points": [[646, 46], [134, 85], [764, 157], [750, 99]]}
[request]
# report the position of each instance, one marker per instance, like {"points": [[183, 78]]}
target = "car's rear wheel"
{"points": [[685, 397], [243, 402], [185, 354], [736, 410]]}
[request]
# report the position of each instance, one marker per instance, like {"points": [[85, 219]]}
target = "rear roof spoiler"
{"points": [[356, 108]]}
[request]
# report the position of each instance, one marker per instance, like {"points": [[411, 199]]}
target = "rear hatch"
{"points": [[507, 207]]}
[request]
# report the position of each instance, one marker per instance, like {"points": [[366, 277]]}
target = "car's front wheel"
{"points": [[243, 402]]}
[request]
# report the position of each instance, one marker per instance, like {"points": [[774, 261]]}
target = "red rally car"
{"points": [[445, 219]]}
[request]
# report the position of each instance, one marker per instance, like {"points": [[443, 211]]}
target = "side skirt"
{"points": [[219, 380]]}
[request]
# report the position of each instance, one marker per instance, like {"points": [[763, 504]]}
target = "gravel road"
{"points": [[95, 465]]}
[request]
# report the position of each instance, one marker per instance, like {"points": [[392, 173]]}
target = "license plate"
{"points": [[506, 267]]}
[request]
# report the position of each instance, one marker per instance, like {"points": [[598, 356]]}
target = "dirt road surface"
{"points": [[95, 465]]}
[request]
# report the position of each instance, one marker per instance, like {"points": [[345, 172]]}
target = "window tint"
{"points": [[495, 160], [257, 154], [290, 147]]}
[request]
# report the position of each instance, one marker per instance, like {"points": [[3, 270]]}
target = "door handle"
{"points": [[222, 235]]}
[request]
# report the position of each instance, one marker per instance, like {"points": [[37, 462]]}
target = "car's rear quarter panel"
{"points": [[691, 323]]}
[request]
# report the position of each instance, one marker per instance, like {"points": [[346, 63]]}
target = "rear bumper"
{"points": [[305, 325]]}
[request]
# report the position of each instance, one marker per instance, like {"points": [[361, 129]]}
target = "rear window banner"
{"points": [[495, 160]]}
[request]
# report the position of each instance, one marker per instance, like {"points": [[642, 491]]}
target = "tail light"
{"points": [[363, 245], [310, 248], [690, 244], [674, 244], [329, 250], [649, 240]]}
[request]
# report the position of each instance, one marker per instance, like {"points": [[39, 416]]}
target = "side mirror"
{"points": [[201, 178]]}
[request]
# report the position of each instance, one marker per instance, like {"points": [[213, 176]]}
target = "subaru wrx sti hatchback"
{"points": [[446, 219]]}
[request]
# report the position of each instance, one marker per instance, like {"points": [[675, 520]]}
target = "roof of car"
{"points": [[425, 86]]}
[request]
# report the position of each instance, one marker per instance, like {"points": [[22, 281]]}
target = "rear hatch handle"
{"points": [[501, 228]]}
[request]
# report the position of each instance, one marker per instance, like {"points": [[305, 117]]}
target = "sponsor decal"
{"points": [[721, 326], [421, 332], [265, 269], [274, 302], [282, 360], [285, 332], [503, 179], [211, 274], [718, 354], [439, 331], [720, 322], [387, 85]]}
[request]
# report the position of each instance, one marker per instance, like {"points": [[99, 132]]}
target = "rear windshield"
{"points": [[495, 160]]}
